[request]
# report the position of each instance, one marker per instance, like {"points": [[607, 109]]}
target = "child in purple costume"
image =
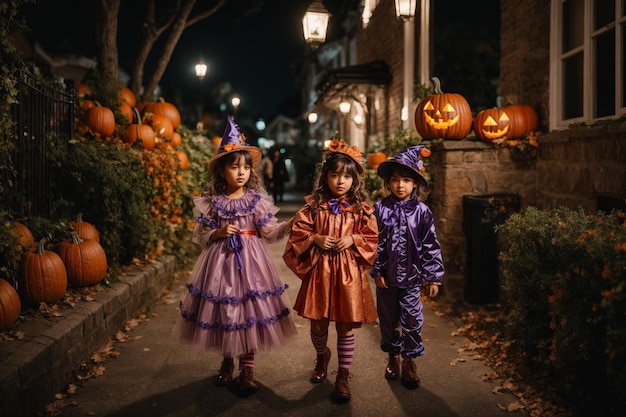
{"points": [[408, 257], [235, 296]]}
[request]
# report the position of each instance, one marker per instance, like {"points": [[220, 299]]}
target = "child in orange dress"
{"points": [[331, 247]]}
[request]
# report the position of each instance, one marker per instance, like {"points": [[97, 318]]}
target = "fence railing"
{"points": [[43, 110]]}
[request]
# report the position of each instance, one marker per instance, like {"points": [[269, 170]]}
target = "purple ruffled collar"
{"points": [[234, 207]]}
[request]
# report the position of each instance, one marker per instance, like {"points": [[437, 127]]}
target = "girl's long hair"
{"points": [[338, 162], [217, 184]]}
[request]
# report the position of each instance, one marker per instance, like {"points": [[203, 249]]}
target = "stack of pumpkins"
{"points": [[145, 123], [43, 275], [448, 116]]}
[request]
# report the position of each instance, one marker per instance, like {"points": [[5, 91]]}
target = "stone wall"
{"points": [[471, 167]]}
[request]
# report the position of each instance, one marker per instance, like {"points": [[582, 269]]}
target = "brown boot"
{"points": [[321, 367], [225, 374], [342, 389], [392, 371], [246, 379], [409, 373]]}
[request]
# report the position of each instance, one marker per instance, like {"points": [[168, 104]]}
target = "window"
{"points": [[588, 44]]}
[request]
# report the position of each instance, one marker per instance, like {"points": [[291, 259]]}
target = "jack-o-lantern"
{"points": [[492, 125], [498, 124], [443, 115]]}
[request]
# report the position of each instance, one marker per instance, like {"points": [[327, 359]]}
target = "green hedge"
{"points": [[564, 273]]}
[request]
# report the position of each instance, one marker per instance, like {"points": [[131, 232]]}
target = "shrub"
{"points": [[564, 274]]}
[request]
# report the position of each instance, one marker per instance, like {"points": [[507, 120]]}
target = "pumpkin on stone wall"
{"points": [[500, 123], [443, 115], [375, 158]]}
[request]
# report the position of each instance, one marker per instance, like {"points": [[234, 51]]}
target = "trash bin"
{"points": [[481, 213]]}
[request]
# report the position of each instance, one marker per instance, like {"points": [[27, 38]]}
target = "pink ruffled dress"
{"points": [[235, 301]]}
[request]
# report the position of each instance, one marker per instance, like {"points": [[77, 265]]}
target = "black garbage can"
{"points": [[481, 213]]}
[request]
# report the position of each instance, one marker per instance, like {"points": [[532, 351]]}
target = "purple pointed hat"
{"points": [[233, 140], [411, 157]]}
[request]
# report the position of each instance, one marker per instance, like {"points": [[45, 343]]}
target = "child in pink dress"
{"points": [[331, 247], [235, 299], [409, 256]]}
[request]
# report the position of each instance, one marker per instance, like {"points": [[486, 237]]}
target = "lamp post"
{"points": [[235, 101], [315, 24], [344, 109], [405, 11], [201, 69]]}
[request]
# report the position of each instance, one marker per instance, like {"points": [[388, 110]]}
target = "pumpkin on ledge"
{"points": [[375, 158]]}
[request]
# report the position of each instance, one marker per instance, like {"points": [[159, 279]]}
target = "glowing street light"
{"points": [[235, 101], [315, 24], [201, 69], [405, 9]]}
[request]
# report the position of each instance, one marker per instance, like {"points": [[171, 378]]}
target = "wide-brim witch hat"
{"points": [[353, 152], [411, 158], [233, 140]]}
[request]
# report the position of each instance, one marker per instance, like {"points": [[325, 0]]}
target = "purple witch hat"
{"points": [[233, 140], [411, 158]]}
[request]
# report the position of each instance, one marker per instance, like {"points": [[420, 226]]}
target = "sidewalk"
{"points": [[156, 376]]}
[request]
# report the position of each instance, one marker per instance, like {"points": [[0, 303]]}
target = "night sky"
{"points": [[254, 52]]}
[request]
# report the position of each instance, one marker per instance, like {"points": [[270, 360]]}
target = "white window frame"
{"points": [[556, 59]]}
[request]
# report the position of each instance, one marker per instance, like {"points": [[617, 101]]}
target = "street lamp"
{"points": [[312, 118], [344, 109], [405, 9], [201, 69], [315, 24], [235, 101]]}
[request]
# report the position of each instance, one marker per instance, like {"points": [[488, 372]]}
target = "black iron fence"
{"points": [[44, 110]]}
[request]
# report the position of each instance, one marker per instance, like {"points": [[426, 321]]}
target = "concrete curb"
{"points": [[34, 369]]}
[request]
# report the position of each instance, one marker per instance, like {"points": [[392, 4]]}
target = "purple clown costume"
{"points": [[235, 302], [409, 255]]}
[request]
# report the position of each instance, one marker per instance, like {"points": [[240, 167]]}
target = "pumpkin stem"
{"points": [[437, 84], [79, 217], [41, 246], [75, 238], [136, 115]]}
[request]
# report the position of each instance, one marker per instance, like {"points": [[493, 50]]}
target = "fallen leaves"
{"points": [[484, 327]]}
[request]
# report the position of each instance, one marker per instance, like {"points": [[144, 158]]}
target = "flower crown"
{"points": [[353, 152]]}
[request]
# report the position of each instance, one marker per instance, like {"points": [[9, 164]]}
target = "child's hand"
{"points": [[381, 282], [433, 290], [289, 223], [324, 241], [343, 243], [226, 231]]}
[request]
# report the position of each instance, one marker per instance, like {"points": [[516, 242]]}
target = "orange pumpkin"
{"points": [[126, 111], [177, 139], [183, 160], [85, 261], [374, 159], [161, 125], [24, 236], [41, 276], [443, 115], [83, 229], [10, 305], [100, 119], [216, 141], [139, 131], [83, 91], [87, 104], [164, 108], [523, 117], [493, 124], [127, 95]]}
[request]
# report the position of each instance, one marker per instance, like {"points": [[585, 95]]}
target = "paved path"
{"points": [[155, 376]]}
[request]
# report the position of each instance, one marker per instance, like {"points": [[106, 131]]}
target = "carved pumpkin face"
{"points": [[512, 121], [445, 115], [492, 125]]}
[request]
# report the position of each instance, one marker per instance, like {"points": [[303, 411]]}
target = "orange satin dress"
{"points": [[335, 284]]}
